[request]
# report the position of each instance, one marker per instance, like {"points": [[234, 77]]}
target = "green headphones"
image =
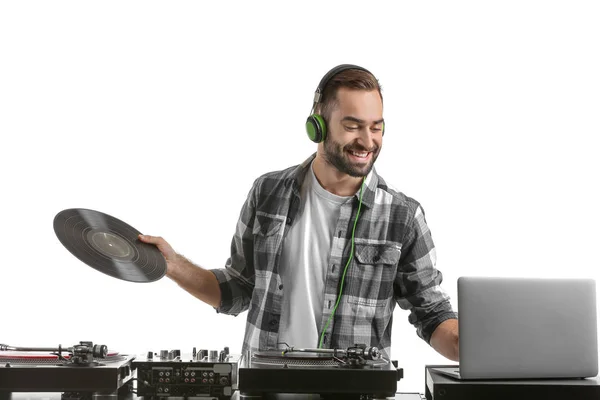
{"points": [[315, 124]]}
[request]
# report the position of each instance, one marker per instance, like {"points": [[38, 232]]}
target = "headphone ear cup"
{"points": [[382, 128], [316, 128]]}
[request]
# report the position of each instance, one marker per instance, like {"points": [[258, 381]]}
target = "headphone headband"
{"points": [[325, 80]]}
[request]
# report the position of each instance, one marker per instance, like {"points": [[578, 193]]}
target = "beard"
{"points": [[337, 155]]}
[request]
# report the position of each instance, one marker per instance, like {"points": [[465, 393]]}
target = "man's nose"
{"points": [[366, 138]]}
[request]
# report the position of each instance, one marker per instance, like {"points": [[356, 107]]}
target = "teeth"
{"points": [[362, 155]]}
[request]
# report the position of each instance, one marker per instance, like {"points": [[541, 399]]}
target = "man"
{"points": [[324, 250]]}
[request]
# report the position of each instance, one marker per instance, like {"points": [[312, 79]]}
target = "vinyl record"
{"points": [[109, 245]]}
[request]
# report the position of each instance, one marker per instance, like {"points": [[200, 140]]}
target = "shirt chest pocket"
{"points": [[268, 233], [373, 273]]}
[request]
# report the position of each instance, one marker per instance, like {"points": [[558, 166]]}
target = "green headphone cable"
{"points": [[345, 268]]}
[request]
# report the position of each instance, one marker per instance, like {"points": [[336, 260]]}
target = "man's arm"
{"points": [[194, 279], [445, 339], [228, 289], [418, 289]]}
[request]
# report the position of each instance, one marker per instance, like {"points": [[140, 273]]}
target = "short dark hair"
{"points": [[352, 79]]}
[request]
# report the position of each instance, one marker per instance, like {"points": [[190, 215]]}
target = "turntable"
{"points": [[83, 371], [358, 372]]}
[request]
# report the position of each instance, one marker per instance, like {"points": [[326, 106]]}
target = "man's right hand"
{"points": [[165, 248], [196, 280]]}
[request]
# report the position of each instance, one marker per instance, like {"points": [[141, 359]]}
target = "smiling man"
{"points": [[324, 250]]}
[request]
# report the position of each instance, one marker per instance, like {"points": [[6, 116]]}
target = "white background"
{"points": [[163, 113]]}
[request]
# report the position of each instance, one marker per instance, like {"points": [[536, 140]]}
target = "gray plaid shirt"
{"points": [[394, 262]]}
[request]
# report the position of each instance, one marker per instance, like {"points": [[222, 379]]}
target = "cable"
{"points": [[143, 382], [345, 268]]}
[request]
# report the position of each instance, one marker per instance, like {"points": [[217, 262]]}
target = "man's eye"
{"points": [[351, 128]]}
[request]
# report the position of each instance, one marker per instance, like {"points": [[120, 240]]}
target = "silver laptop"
{"points": [[519, 328]]}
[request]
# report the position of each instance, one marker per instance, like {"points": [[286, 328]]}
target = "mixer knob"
{"points": [[164, 355], [214, 355], [201, 354], [173, 354]]}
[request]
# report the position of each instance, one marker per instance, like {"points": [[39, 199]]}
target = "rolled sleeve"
{"points": [[418, 281], [235, 292], [236, 280]]}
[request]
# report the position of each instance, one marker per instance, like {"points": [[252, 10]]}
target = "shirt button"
{"points": [[280, 287], [273, 322], [288, 220]]}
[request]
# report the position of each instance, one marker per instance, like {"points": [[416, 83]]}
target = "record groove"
{"points": [[109, 245]]}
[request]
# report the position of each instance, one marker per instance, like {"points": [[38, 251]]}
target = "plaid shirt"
{"points": [[394, 262]]}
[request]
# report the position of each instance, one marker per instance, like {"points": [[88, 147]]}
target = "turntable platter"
{"points": [[38, 357], [291, 355]]}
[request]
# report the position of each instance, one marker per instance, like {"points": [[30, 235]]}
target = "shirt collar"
{"points": [[368, 197]]}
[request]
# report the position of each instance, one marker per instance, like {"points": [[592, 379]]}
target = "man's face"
{"points": [[353, 139]]}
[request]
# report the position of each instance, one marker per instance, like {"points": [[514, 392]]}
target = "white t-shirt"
{"points": [[304, 261]]}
